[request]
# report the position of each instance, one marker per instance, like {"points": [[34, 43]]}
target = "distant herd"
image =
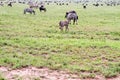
{"points": [[31, 10], [70, 15]]}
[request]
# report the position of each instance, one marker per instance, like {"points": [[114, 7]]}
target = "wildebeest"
{"points": [[96, 4], [29, 10], [70, 12], [47, 3], [33, 4], [72, 15], [84, 6], [10, 4], [60, 4], [66, 3], [1, 4], [42, 8], [62, 24]]}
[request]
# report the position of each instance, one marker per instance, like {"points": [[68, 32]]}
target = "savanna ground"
{"points": [[88, 49]]}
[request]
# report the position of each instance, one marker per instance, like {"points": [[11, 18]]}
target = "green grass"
{"points": [[92, 46]]}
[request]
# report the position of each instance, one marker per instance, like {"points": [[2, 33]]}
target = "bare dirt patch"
{"points": [[33, 73]]}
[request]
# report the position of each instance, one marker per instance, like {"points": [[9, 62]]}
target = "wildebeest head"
{"points": [[66, 14]]}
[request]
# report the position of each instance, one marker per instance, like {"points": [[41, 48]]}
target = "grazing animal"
{"points": [[47, 3], [60, 4], [70, 12], [1, 4], [71, 15], [84, 7], [42, 8], [62, 24], [66, 3], [29, 10], [101, 4], [10, 4], [96, 4]]}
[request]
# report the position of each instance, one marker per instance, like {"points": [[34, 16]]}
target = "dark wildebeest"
{"points": [[42, 8], [10, 4], [60, 4], [47, 3], [70, 12], [1, 4], [72, 15], [84, 6], [96, 4], [29, 10], [66, 3], [62, 24]]}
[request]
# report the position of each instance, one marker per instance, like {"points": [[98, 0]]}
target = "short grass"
{"points": [[90, 48]]}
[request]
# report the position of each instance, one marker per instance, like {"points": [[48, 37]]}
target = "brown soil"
{"points": [[33, 73]]}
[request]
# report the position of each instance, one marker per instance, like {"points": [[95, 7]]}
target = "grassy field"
{"points": [[92, 46]]}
